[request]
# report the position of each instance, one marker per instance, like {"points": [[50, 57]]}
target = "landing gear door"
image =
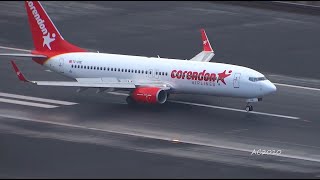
{"points": [[236, 80]]}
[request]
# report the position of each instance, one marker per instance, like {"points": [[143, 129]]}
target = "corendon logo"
{"points": [[46, 35], [202, 76], [223, 75]]}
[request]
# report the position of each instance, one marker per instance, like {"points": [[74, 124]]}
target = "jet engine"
{"points": [[149, 95]]}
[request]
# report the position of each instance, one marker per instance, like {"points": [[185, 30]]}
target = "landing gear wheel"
{"points": [[249, 108], [130, 101]]}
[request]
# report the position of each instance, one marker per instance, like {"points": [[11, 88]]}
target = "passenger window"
{"points": [[104, 68], [125, 70], [121, 70], [139, 71], [111, 69], [142, 71], [166, 74]]}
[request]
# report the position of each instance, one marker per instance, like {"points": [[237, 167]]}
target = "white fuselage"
{"points": [[183, 76]]}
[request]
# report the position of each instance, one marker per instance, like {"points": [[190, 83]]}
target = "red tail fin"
{"points": [[46, 37]]}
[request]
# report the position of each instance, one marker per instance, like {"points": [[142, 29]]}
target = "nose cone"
{"points": [[269, 87]]}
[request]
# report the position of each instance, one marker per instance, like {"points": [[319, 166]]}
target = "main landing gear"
{"points": [[249, 107], [130, 100]]}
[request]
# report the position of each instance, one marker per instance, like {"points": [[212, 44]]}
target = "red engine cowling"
{"points": [[150, 95]]}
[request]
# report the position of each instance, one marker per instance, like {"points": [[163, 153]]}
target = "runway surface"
{"points": [[69, 134]]}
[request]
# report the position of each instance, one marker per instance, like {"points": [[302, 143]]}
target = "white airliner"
{"points": [[148, 79]]}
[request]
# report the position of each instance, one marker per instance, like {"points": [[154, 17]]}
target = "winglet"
{"points": [[205, 41], [19, 74]]}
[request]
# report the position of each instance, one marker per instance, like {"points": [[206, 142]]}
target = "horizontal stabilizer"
{"points": [[23, 55]]}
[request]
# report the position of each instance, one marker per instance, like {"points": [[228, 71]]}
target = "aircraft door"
{"points": [[236, 80]]}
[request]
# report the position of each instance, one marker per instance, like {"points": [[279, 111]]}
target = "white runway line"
{"points": [[25, 103], [233, 109], [157, 137], [219, 107], [294, 86], [17, 49], [36, 99]]}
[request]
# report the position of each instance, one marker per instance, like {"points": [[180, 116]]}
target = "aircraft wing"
{"points": [[91, 82], [207, 53]]}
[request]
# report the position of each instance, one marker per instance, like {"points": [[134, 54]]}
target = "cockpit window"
{"points": [[255, 79]]}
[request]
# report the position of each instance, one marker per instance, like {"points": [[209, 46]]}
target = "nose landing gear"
{"points": [[249, 107]]}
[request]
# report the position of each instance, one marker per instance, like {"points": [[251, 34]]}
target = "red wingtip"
{"points": [[19, 74], [205, 41]]}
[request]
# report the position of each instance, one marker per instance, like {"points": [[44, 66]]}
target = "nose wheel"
{"points": [[249, 108]]}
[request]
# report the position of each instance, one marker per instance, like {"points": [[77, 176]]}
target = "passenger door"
{"points": [[236, 80]]}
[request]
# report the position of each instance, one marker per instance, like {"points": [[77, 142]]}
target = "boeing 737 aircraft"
{"points": [[148, 79]]}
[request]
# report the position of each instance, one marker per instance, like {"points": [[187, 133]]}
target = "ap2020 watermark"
{"points": [[266, 152]]}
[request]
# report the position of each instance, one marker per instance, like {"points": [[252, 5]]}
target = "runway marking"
{"points": [[25, 103], [233, 109], [37, 99], [219, 107], [294, 86], [17, 49], [236, 131], [155, 137]]}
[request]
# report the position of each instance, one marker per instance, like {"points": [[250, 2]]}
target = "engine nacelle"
{"points": [[150, 95]]}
